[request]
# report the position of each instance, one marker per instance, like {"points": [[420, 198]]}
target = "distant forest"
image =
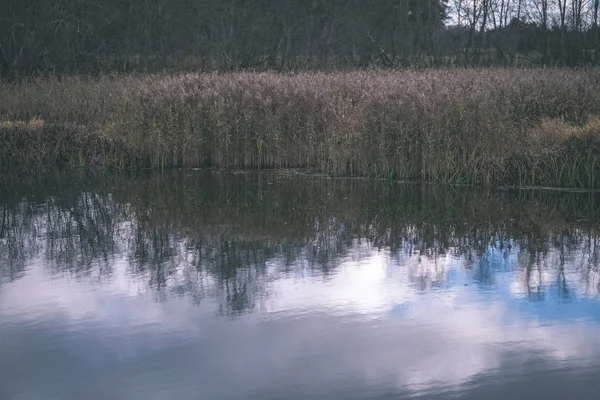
{"points": [[90, 36]]}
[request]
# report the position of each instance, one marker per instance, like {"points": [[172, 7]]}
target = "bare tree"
{"points": [[541, 7], [595, 32], [562, 7]]}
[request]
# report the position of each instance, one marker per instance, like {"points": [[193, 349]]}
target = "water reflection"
{"points": [[236, 232], [335, 288]]}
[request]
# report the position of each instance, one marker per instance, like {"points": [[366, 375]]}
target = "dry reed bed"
{"points": [[497, 126]]}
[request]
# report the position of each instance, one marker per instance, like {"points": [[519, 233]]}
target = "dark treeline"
{"points": [[70, 36]]}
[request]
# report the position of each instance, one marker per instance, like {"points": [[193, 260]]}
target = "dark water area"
{"points": [[277, 285]]}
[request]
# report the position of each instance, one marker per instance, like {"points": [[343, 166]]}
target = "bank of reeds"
{"points": [[491, 126]]}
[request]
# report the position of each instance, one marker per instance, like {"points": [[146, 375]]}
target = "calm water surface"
{"points": [[214, 285]]}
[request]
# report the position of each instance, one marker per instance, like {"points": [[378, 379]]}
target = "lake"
{"points": [[197, 284]]}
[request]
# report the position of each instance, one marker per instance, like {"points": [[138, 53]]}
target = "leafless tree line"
{"points": [[563, 32], [69, 36]]}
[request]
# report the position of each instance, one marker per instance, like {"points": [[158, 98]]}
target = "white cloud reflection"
{"points": [[409, 327]]}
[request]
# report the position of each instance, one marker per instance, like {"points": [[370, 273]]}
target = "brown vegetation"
{"points": [[495, 126]]}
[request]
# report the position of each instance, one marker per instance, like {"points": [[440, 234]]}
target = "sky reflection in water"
{"points": [[111, 292]]}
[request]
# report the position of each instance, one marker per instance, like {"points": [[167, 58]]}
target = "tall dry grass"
{"points": [[462, 126]]}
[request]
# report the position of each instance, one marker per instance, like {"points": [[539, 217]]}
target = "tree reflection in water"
{"points": [[226, 236]]}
